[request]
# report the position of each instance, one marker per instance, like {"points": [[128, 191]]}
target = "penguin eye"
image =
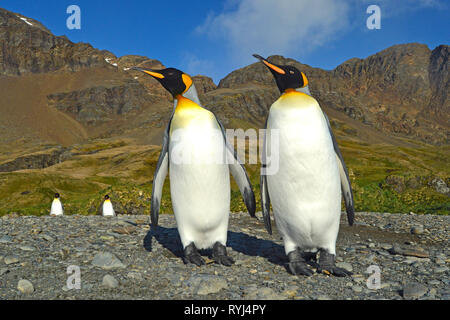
{"points": [[291, 72]]}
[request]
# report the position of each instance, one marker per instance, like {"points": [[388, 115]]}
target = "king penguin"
{"points": [[108, 208], [57, 208], [196, 154], [306, 189]]}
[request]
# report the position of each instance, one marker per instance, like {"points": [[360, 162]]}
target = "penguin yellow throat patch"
{"points": [[188, 113], [185, 104], [294, 99]]}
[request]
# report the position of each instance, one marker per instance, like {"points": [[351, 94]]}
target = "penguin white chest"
{"points": [[305, 191], [199, 178], [56, 209], [108, 210]]}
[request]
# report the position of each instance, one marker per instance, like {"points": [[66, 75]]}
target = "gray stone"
{"points": [[204, 284], [345, 265], [48, 238], [11, 260], [5, 239], [417, 229], [263, 293], [25, 286], [107, 261], [414, 291], [26, 248], [440, 269], [110, 282], [135, 276], [357, 288]]}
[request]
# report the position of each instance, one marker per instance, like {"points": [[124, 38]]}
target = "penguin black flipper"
{"points": [[239, 174], [161, 170], [345, 180], [265, 199]]}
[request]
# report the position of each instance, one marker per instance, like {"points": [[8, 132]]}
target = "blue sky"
{"points": [[217, 37]]}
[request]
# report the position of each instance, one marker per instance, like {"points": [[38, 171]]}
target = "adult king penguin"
{"points": [[196, 154], [306, 190], [57, 208], [107, 207]]}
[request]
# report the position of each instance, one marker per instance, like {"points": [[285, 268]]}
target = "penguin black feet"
{"points": [[219, 254], [191, 255], [327, 265], [297, 264]]}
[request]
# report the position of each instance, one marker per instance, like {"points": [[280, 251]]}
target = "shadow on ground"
{"points": [[238, 241]]}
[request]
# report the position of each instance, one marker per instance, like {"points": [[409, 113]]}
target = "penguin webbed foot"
{"points": [[191, 255], [327, 265], [298, 265], [219, 254]]}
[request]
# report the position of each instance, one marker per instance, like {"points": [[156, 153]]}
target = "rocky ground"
{"points": [[121, 258]]}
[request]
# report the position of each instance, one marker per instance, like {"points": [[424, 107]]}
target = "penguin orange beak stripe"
{"points": [[154, 74], [274, 68], [271, 66]]}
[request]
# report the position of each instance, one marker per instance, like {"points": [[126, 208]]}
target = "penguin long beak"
{"points": [[270, 65], [149, 72]]}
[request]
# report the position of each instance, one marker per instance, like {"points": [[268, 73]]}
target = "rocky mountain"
{"points": [[401, 91]]}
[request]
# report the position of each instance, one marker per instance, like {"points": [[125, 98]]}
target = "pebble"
{"points": [[25, 286], [440, 269], [48, 238], [107, 261], [204, 284], [417, 229], [5, 239], [26, 248], [414, 291], [345, 265], [110, 282], [357, 288], [11, 260], [263, 293], [413, 252]]}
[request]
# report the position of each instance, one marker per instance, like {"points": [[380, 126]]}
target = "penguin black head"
{"points": [[173, 80], [287, 77], [107, 197], [57, 196]]}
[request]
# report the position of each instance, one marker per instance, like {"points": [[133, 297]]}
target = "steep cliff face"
{"points": [[26, 46]]}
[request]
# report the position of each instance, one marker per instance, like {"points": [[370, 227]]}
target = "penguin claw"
{"points": [[224, 260], [300, 268], [335, 271], [220, 256], [194, 259], [191, 255], [327, 266], [297, 264]]}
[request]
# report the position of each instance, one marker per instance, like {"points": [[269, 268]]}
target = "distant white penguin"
{"points": [[57, 208], [107, 208]]}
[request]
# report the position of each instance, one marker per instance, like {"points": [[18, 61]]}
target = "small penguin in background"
{"points": [[307, 188], [107, 208], [57, 208], [200, 189]]}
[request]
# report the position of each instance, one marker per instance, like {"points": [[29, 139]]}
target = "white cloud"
{"points": [[277, 26], [197, 66], [394, 8]]}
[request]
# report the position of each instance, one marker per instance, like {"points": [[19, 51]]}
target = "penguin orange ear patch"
{"points": [[187, 81], [305, 80], [273, 67]]}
